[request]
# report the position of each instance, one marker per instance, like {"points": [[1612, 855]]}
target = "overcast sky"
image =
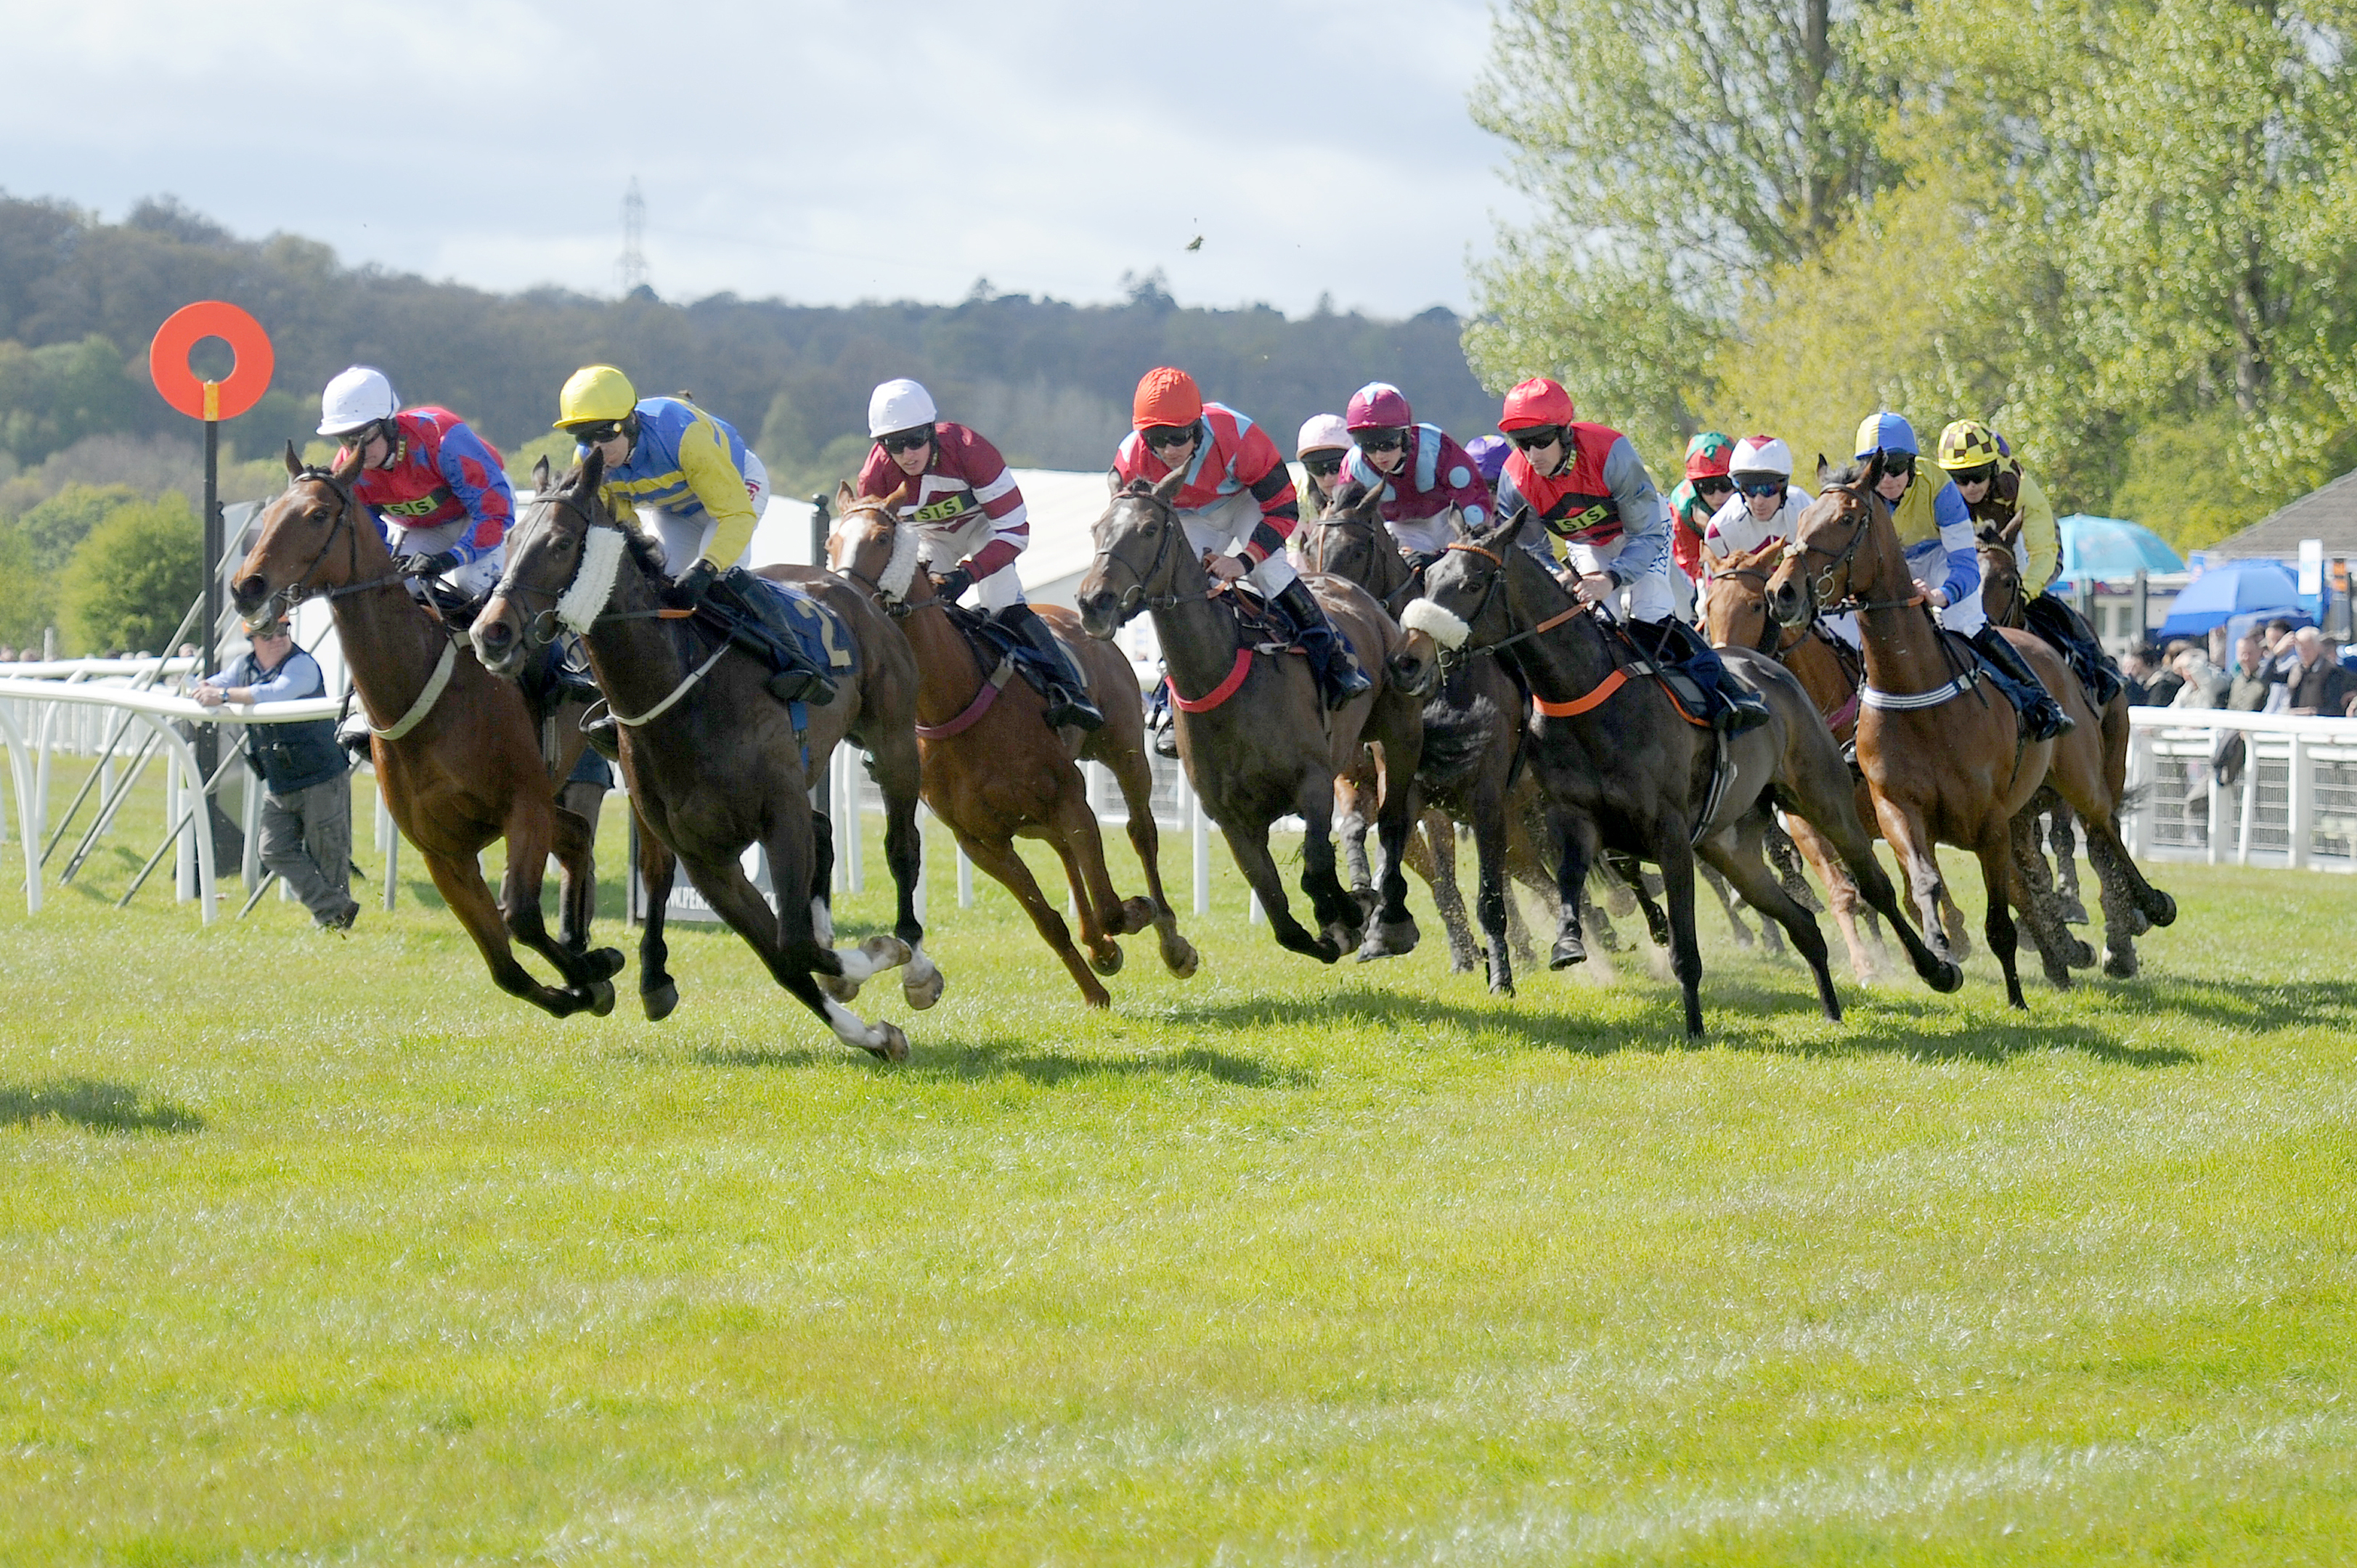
{"points": [[818, 151]]}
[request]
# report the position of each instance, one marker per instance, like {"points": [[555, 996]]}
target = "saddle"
{"points": [[998, 645]]}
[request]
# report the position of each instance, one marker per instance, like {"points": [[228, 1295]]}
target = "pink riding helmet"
{"points": [[1378, 405]]}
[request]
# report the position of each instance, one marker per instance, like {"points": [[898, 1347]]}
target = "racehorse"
{"points": [[457, 754], [1252, 733], [714, 763], [993, 770], [1945, 757], [1735, 615], [1622, 764], [2006, 602], [1473, 741]]}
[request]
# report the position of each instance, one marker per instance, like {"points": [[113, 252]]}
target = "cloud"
{"points": [[817, 150]]}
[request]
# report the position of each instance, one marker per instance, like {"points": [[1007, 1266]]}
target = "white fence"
{"points": [[2294, 803]]}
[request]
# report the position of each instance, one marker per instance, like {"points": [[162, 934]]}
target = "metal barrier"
{"points": [[2293, 805]]}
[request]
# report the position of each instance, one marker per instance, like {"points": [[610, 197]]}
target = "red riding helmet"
{"points": [[1708, 455], [1534, 403]]}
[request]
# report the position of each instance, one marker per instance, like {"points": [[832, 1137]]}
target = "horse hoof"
{"points": [[886, 953], [1342, 939], [1106, 959], [2121, 963], [601, 997], [1459, 963], [839, 988], [1567, 952], [1391, 940], [607, 962], [659, 1001], [922, 992], [1946, 978], [2082, 955], [2162, 911], [1501, 987], [1181, 959], [895, 1048], [2073, 912], [1325, 950]]}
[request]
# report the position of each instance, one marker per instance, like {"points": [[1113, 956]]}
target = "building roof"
{"points": [[2328, 513]]}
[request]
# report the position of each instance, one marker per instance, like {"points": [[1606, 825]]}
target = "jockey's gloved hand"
{"points": [[418, 565], [689, 588], [953, 585]]}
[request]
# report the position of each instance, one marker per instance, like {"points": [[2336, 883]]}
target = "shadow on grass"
{"points": [[102, 1107], [976, 1061]]}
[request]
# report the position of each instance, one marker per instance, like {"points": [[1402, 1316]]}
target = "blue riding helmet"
{"points": [[1885, 432]]}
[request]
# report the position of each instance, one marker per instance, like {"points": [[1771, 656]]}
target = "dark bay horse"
{"points": [[1943, 754], [1735, 615], [1620, 766], [1255, 739], [714, 764], [2006, 602], [457, 754], [993, 770], [1473, 741]]}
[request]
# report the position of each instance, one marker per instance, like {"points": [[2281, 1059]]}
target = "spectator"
{"points": [[2205, 685], [2136, 668], [307, 794], [2317, 683], [2218, 643], [2246, 693], [2161, 688]]}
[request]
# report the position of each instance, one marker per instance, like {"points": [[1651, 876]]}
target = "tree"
{"points": [[58, 526], [51, 397], [133, 578]]}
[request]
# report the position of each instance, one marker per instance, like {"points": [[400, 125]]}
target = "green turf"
{"points": [[321, 1250]]}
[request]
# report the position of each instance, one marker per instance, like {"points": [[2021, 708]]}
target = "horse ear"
{"points": [[2011, 531], [1170, 485], [294, 461], [898, 498], [539, 476], [844, 496], [592, 470], [350, 468], [1823, 469]]}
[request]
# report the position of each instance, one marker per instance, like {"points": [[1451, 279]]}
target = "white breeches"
{"points": [[1649, 597], [474, 579], [1224, 528], [683, 538]]}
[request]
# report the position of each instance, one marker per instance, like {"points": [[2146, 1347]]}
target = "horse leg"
{"points": [[1248, 843], [1841, 895], [997, 857], [896, 775], [1785, 854], [820, 896], [1494, 900], [658, 992], [1350, 828], [1734, 915], [460, 882], [1919, 863], [1859, 875], [531, 829], [2062, 839], [2034, 897], [1135, 776], [1340, 916], [577, 903], [1392, 932], [1432, 854], [1739, 858], [1995, 854], [1676, 858], [785, 940], [1079, 846], [2122, 919], [1574, 850]]}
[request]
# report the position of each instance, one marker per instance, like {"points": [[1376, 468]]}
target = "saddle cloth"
{"points": [[996, 643], [826, 642]]}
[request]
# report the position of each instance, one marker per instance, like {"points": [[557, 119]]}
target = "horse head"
{"points": [[2002, 598], [1350, 541], [1141, 547], [1735, 600], [295, 554], [1461, 600], [869, 545], [553, 553], [1819, 566]]}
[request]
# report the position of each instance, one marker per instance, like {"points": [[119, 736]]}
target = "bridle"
{"points": [[541, 630], [343, 521], [1770, 640], [1470, 648], [899, 609], [2019, 601], [1821, 587], [1135, 598]]}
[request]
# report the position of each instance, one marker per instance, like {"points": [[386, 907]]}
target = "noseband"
{"points": [[899, 609], [1135, 598]]}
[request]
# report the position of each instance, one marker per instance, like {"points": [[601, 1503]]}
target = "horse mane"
{"points": [[1843, 478]]}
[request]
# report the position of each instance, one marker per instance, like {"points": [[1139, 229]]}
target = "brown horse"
{"points": [[1255, 739], [2006, 602], [457, 754], [1945, 757], [993, 770], [1735, 615], [714, 764]]}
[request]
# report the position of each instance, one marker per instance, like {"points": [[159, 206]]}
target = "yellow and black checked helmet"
{"points": [[1967, 444]]}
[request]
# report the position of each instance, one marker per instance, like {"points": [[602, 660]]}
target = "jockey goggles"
{"points": [[1162, 437], [593, 434], [1379, 440], [1322, 468], [1536, 439], [901, 441], [1773, 485], [1979, 476], [1713, 485]]}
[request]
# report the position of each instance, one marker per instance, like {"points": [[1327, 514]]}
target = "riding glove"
{"points": [[692, 586], [417, 566], [953, 585]]}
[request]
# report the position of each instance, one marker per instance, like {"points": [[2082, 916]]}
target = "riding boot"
{"points": [[1331, 655], [352, 735], [1068, 695], [796, 679], [2040, 711], [599, 728], [1162, 719], [1734, 707], [2069, 634]]}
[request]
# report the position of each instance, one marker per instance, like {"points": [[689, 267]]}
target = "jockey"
{"points": [[1996, 490], [438, 492], [1589, 488], [1935, 527], [1427, 479], [957, 496], [1765, 505], [702, 489], [1701, 493], [1236, 487], [1323, 445], [1489, 454]]}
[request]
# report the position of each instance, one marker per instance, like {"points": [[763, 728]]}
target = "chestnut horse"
{"points": [[1735, 615], [1945, 757], [714, 763], [993, 770], [457, 753], [1254, 736]]}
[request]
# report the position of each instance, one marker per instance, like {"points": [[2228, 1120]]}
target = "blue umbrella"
{"points": [[2229, 589], [2110, 551]]}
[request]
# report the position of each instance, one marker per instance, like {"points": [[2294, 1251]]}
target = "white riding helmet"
{"points": [[357, 397], [1761, 455], [898, 405], [1323, 433]]}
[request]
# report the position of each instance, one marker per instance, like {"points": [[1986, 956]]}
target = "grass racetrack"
{"points": [[317, 1251]]}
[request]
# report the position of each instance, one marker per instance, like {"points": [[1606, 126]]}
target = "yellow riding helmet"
{"points": [[597, 394], [1967, 444]]}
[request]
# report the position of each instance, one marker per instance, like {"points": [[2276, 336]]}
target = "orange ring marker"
{"points": [[167, 360]]}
